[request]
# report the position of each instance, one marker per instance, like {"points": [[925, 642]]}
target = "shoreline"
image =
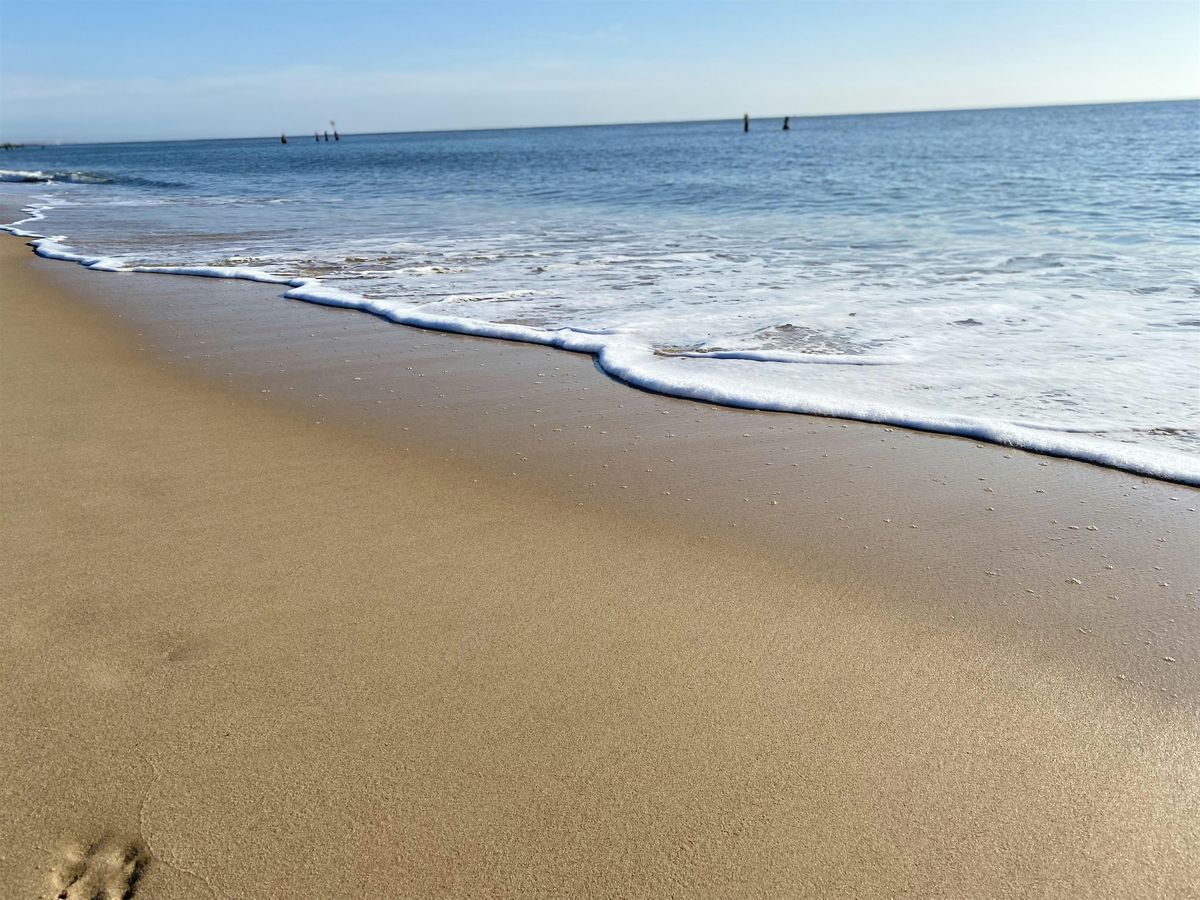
{"points": [[301, 641], [619, 364]]}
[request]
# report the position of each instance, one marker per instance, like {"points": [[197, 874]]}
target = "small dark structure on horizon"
{"points": [[317, 134], [746, 122], [787, 120]]}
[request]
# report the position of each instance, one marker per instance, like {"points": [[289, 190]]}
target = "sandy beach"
{"points": [[300, 603]]}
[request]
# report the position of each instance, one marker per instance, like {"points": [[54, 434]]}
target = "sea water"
{"points": [[1023, 276]]}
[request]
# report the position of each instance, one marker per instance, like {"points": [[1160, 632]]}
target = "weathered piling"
{"points": [[787, 123], [283, 139], [746, 122]]}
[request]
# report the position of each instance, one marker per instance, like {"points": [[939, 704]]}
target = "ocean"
{"points": [[1029, 277]]}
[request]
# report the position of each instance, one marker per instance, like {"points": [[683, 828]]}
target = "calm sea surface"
{"points": [[1026, 276]]}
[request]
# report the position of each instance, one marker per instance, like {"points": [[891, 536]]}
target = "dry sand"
{"points": [[246, 654]]}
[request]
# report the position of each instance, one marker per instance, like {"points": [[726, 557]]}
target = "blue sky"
{"points": [[119, 70]]}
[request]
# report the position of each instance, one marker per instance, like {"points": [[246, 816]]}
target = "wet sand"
{"points": [[278, 638]]}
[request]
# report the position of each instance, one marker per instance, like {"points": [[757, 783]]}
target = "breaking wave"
{"points": [[19, 176]]}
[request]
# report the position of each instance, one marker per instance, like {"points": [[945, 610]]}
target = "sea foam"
{"points": [[641, 366]]}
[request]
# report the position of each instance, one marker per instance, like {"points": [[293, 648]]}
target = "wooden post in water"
{"points": [[787, 123], [327, 137], [333, 125], [283, 139], [316, 137], [746, 122]]}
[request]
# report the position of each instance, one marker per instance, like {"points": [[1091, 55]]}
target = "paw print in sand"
{"points": [[106, 869]]}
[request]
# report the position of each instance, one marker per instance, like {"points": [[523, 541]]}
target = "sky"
{"points": [[157, 69]]}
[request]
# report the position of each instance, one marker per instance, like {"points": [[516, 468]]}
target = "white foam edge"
{"points": [[51, 248], [635, 364], [34, 214], [639, 366]]}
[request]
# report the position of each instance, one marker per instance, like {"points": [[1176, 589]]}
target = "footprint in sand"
{"points": [[105, 869]]}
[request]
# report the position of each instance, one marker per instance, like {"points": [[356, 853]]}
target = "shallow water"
{"points": [[1024, 276]]}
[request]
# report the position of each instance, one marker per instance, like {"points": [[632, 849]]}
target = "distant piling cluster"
{"points": [[317, 134], [787, 123]]}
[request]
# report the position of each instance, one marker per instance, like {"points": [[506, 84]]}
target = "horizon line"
{"points": [[896, 112]]}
